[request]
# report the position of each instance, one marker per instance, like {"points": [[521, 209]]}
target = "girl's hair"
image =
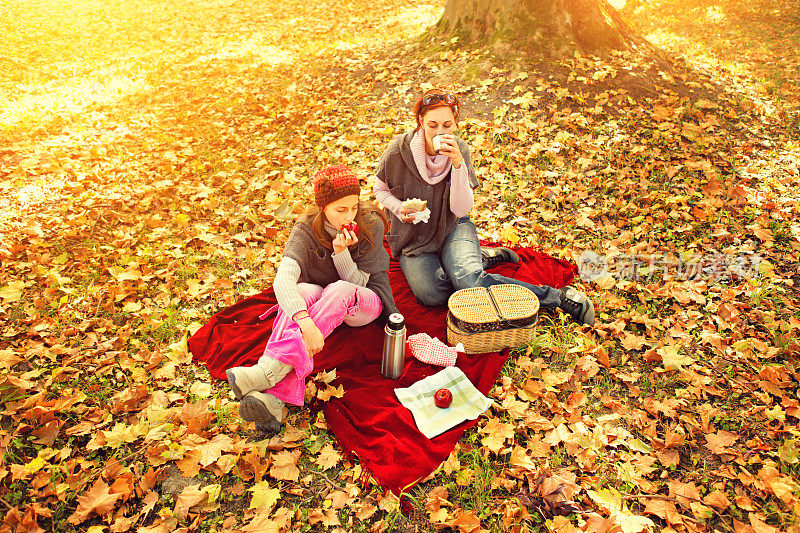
{"points": [[433, 98], [315, 218]]}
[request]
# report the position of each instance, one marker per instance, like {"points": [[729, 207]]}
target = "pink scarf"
{"points": [[432, 168]]}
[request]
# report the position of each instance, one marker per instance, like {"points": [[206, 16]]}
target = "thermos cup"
{"points": [[394, 347]]}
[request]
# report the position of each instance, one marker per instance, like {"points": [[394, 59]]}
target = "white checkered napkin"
{"points": [[468, 402]]}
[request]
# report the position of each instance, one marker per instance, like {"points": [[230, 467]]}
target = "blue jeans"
{"points": [[434, 277]]}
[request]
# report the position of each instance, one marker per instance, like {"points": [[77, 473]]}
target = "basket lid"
{"points": [[472, 305], [514, 302]]}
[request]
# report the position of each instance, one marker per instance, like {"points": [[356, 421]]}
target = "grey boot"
{"points": [[261, 376], [263, 409], [577, 305], [492, 256]]}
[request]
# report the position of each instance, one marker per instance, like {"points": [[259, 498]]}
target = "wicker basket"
{"points": [[488, 320]]}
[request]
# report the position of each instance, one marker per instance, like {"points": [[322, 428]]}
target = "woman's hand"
{"points": [[312, 336], [343, 240], [407, 214], [449, 147]]}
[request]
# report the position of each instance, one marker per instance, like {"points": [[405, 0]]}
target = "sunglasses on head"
{"points": [[435, 98]]}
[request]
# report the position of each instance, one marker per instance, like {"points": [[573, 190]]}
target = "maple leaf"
{"points": [[717, 499], [12, 292], [188, 498], [663, 509], [466, 522], [263, 496], [331, 392], [497, 434], [97, 500], [631, 523], [632, 342], [719, 442], [672, 358], [683, 492], [328, 457], [285, 466], [212, 450], [328, 517]]}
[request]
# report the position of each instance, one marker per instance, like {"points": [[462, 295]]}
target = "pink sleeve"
{"points": [[461, 196], [385, 197]]}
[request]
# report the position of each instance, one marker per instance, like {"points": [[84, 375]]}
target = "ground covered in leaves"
{"points": [[153, 155]]}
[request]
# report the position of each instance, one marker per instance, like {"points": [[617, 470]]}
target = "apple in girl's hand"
{"points": [[352, 227], [443, 398]]}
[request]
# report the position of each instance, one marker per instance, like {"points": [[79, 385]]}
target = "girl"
{"points": [[331, 272], [443, 254]]}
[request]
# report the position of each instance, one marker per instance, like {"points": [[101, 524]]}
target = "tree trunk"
{"points": [[546, 26]]}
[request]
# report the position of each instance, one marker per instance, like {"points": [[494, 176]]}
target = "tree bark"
{"points": [[546, 26]]}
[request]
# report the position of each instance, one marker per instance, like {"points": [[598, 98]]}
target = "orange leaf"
{"points": [[325, 395], [717, 499], [719, 442], [328, 457], [632, 342], [285, 466], [98, 500]]}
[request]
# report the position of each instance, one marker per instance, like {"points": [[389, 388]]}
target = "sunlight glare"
{"points": [[617, 4], [254, 46], [59, 99], [414, 19], [715, 15]]}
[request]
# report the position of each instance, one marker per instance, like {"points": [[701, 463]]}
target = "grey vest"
{"points": [[399, 172], [316, 263]]}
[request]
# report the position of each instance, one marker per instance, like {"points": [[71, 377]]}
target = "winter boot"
{"points": [[263, 409], [261, 376]]}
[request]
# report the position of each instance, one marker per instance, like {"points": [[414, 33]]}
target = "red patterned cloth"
{"points": [[431, 350], [369, 421]]}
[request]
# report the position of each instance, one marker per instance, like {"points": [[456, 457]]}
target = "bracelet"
{"points": [[296, 318]]}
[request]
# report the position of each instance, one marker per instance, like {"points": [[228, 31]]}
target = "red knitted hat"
{"points": [[333, 183]]}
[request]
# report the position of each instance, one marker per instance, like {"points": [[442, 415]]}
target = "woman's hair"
{"points": [[433, 98], [315, 218]]}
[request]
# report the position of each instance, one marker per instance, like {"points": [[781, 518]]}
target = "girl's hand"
{"points": [[450, 149], [312, 336], [343, 240]]}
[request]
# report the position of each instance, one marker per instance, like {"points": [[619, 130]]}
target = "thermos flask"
{"points": [[394, 347]]}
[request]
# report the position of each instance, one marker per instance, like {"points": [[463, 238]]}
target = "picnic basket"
{"points": [[488, 320]]}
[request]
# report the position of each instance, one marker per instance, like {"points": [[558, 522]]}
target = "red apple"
{"points": [[352, 227], [443, 398]]}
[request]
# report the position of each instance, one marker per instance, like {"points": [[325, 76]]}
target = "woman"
{"points": [[331, 272], [443, 254]]}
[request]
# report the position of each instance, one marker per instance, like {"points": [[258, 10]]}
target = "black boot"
{"points": [[493, 255]]}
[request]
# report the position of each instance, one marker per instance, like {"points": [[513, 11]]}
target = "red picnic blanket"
{"points": [[369, 421]]}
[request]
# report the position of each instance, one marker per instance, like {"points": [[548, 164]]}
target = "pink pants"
{"points": [[339, 302]]}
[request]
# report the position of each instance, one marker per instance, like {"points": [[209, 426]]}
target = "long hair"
{"points": [[315, 218]]}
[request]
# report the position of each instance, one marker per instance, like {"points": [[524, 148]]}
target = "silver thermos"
{"points": [[394, 347]]}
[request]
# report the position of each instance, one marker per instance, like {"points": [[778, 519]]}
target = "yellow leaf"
{"points": [[631, 523], [200, 389], [610, 500], [119, 435], [34, 465], [672, 358], [263, 496], [13, 291], [508, 234]]}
